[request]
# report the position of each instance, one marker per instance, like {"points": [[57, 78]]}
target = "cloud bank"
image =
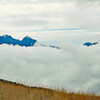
{"points": [[72, 67]]}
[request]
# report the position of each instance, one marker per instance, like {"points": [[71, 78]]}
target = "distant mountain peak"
{"points": [[90, 44], [26, 41], [27, 37]]}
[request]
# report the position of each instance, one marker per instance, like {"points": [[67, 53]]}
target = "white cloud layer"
{"points": [[72, 67]]}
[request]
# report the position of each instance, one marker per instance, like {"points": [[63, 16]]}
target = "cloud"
{"points": [[72, 67], [26, 22], [88, 3], [87, 0], [32, 1], [17, 1], [73, 14]]}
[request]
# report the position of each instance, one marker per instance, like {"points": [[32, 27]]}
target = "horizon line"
{"points": [[55, 29]]}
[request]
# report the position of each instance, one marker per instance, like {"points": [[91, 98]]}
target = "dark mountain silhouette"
{"points": [[90, 44], [54, 47], [26, 41]]}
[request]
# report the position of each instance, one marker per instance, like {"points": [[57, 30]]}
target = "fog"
{"points": [[74, 67]]}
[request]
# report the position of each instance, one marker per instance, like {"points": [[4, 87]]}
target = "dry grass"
{"points": [[13, 91]]}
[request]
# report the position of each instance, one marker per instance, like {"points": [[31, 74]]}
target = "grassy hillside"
{"points": [[14, 91]]}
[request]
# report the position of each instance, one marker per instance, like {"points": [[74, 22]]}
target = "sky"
{"points": [[22, 15], [74, 67]]}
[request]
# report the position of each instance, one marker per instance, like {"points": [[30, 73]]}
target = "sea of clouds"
{"points": [[74, 67]]}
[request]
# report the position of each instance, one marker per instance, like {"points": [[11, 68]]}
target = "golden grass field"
{"points": [[14, 91]]}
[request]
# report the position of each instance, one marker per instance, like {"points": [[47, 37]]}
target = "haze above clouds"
{"points": [[22, 15]]}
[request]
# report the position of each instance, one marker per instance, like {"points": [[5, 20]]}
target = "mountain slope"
{"points": [[13, 91]]}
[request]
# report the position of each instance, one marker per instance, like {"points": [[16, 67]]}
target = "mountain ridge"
{"points": [[26, 41], [90, 44], [15, 91]]}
